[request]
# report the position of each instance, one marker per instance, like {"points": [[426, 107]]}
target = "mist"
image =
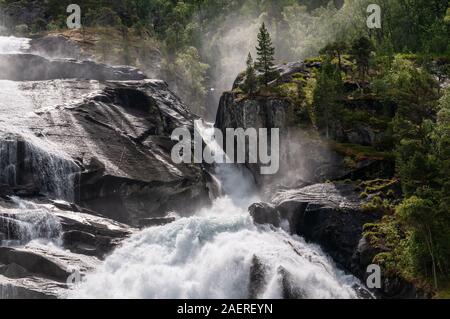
{"points": [[297, 34]]}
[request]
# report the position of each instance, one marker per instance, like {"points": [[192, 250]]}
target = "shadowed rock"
{"points": [[327, 214], [257, 282]]}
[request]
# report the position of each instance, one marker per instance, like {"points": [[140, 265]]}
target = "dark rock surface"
{"points": [[305, 155], [56, 46], [109, 151], [29, 67], [327, 214], [30, 267], [84, 149]]}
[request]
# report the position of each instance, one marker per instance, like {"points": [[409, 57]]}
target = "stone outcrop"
{"points": [[327, 214], [108, 148], [57, 46], [31, 268], [29, 67], [304, 154], [332, 216]]}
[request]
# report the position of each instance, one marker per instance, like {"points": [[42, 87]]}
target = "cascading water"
{"points": [[23, 221], [13, 45], [29, 163], [217, 254], [28, 160], [25, 159]]}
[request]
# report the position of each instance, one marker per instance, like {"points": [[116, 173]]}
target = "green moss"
{"points": [[377, 204], [363, 195], [289, 90], [380, 185]]}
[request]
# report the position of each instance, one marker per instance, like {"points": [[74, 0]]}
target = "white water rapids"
{"points": [[211, 256]]}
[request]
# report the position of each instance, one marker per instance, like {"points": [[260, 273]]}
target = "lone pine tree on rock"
{"points": [[266, 52]]}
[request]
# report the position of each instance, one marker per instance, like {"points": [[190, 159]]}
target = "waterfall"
{"points": [[13, 45], [218, 253], [28, 161], [25, 221]]}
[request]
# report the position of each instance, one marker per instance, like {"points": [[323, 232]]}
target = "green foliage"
{"points": [[250, 84], [266, 53], [187, 71], [327, 93], [335, 50]]}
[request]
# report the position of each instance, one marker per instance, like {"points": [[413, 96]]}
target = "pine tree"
{"points": [[361, 50], [249, 86], [326, 97], [266, 52]]}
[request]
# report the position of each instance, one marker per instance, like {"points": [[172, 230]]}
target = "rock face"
{"points": [[304, 153], [104, 145], [85, 155], [305, 157], [298, 150], [29, 67], [123, 145], [331, 215], [327, 214], [43, 243]]}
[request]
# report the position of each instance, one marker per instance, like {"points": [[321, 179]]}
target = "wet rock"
{"points": [[289, 289], [80, 232], [263, 213], [330, 215], [29, 67], [39, 271], [110, 152], [30, 288], [13, 271], [34, 262], [257, 282]]}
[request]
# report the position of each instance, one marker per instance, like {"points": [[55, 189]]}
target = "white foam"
{"points": [[13, 45], [210, 257]]}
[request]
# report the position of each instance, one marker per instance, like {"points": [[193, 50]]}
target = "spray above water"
{"points": [[213, 255], [219, 253], [23, 221]]}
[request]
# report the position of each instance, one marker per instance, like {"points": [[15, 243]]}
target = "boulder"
{"points": [[257, 281], [263, 213], [109, 152], [39, 272], [331, 215], [326, 214], [38, 263]]}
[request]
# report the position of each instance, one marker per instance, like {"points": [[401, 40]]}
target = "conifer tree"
{"points": [[266, 53], [250, 83]]}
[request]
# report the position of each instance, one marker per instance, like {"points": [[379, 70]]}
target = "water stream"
{"points": [[216, 254]]}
